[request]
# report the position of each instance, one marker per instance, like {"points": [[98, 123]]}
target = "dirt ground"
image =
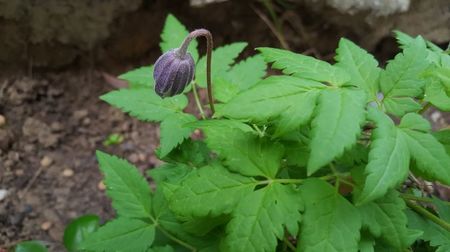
{"points": [[53, 126]]}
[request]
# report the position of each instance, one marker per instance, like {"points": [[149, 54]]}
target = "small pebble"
{"points": [[134, 158], [101, 186], [2, 120], [46, 161], [141, 157], [46, 225], [435, 116], [3, 193], [19, 172], [68, 172]]}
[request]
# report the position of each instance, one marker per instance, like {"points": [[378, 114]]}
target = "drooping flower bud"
{"points": [[173, 71]]}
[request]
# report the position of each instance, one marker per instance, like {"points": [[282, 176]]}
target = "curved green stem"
{"points": [[424, 212], [197, 100], [175, 239]]}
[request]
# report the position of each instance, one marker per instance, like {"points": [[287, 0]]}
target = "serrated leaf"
{"points": [[222, 58], [415, 121], [303, 66], [241, 76], [443, 136], [173, 34], [388, 158], [78, 230], [260, 218], [173, 132], [399, 106], [435, 234], [330, 223], [123, 235], [361, 66], [402, 74], [336, 125], [289, 99], [129, 191], [244, 152], [442, 208], [385, 218], [437, 94], [190, 152], [432, 161], [140, 77], [145, 104], [210, 190]]}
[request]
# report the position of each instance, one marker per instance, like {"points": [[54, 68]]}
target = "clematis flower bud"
{"points": [[173, 71]]}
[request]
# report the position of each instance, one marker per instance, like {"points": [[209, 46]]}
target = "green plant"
{"points": [[312, 160]]}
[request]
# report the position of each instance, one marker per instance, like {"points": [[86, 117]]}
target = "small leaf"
{"points": [[435, 234], [362, 67], [306, 67], [140, 77], [399, 106], [210, 191], [330, 223], [78, 230], [173, 34], [415, 121], [385, 218], [388, 158], [437, 94], [173, 132], [335, 127], [30, 246], [145, 104], [222, 58], [127, 235], [129, 191], [261, 218]]}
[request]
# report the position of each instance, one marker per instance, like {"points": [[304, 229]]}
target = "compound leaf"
{"points": [[336, 125], [362, 67], [260, 218], [144, 103], [210, 190], [385, 218], [303, 66], [173, 34], [222, 58], [173, 131], [128, 190], [140, 77], [122, 234], [388, 158], [330, 223]]}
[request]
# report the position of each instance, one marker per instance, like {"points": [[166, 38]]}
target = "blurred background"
{"points": [[58, 56]]}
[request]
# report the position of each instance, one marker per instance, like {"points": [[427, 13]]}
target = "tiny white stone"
{"points": [[3, 193]]}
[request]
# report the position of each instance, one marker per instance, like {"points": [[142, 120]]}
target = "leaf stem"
{"points": [[424, 212], [421, 199], [209, 45], [197, 100], [291, 181], [288, 243], [175, 239]]}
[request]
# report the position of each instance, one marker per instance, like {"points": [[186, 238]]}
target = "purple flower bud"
{"points": [[173, 72]]}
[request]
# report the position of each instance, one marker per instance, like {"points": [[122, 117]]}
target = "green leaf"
{"points": [[210, 190], [305, 67], [432, 161], [140, 77], [402, 75], [261, 217], [222, 58], [442, 208], [241, 76], [123, 235], [244, 152], [289, 99], [399, 106], [145, 104], [129, 191], [366, 244], [435, 234], [173, 34], [30, 246], [415, 121], [443, 136], [78, 230], [388, 158], [173, 132], [437, 94], [336, 125], [362, 67], [385, 218], [330, 223], [190, 152]]}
